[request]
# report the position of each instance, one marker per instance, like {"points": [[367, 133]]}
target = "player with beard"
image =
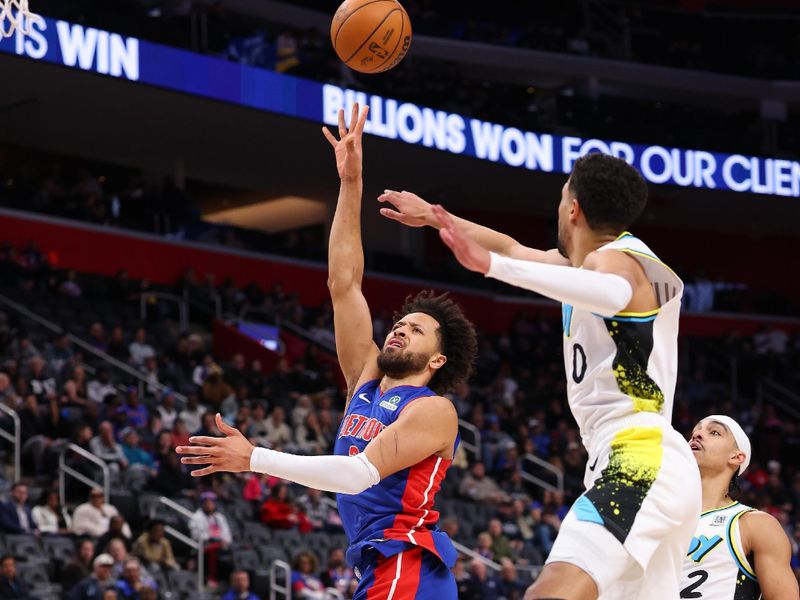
{"points": [[399, 434]]}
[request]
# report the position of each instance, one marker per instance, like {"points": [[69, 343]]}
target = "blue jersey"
{"points": [[397, 513]]}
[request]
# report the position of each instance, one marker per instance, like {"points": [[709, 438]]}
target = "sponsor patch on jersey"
{"points": [[391, 403], [719, 520]]}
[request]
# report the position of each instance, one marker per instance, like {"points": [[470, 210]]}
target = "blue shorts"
{"points": [[414, 574]]}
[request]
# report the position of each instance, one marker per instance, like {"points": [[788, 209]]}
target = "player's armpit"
{"points": [[763, 535], [426, 427]]}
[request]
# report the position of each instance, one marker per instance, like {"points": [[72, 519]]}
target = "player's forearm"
{"points": [[603, 293], [339, 474], [491, 240], [345, 250]]}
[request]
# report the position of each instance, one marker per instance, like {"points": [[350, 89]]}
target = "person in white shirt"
{"points": [[210, 526], [104, 446], [99, 388], [167, 411], [192, 415], [91, 518], [139, 349], [48, 515]]}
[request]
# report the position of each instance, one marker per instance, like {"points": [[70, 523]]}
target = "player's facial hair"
{"points": [[401, 364]]}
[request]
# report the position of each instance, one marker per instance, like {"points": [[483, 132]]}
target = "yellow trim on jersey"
{"points": [[739, 555], [648, 313], [708, 512]]}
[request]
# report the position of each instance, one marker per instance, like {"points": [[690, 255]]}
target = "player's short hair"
{"points": [[458, 340], [611, 193]]}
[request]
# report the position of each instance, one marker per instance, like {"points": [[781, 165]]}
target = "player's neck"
{"points": [[583, 245], [416, 380], [715, 491]]}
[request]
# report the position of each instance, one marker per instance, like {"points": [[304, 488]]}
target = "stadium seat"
{"points": [[23, 547], [33, 574], [256, 534], [59, 548], [271, 553], [246, 559], [183, 583]]}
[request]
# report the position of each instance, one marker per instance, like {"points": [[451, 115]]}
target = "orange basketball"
{"points": [[371, 36]]}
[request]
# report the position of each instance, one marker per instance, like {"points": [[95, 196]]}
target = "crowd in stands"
{"points": [[117, 546]]}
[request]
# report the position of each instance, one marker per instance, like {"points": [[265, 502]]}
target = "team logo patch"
{"points": [[391, 403], [719, 520]]}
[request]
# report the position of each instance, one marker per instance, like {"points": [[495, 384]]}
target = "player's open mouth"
{"points": [[394, 343], [695, 446]]}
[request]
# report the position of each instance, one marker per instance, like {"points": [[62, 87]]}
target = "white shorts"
{"points": [[632, 527]]}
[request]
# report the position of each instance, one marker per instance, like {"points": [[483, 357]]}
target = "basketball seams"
{"points": [[379, 68], [372, 33], [347, 18]]}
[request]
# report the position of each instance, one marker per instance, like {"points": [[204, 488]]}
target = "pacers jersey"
{"points": [[716, 567], [627, 364], [397, 513]]}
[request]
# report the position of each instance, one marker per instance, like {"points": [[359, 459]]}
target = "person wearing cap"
{"points": [[92, 587], [210, 526], [737, 552]]}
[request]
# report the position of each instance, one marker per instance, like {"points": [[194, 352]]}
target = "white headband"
{"points": [[742, 441]]}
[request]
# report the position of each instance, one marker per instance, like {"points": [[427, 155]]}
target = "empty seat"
{"points": [[183, 583], [33, 574], [59, 548], [271, 553], [246, 559], [23, 547]]}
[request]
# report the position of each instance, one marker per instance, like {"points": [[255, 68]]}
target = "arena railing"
{"points": [[141, 380], [183, 310], [277, 568], [15, 438], [770, 391], [490, 564], [193, 543], [65, 470], [475, 445], [559, 474]]}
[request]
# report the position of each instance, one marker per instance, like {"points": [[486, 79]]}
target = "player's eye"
{"points": [[417, 330], [715, 432]]}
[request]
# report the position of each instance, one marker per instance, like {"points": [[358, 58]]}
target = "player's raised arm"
{"points": [[351, 316], [409, 209]]}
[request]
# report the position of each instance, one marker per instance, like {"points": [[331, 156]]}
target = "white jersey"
{"points": [[716, 567], [627, 364]]}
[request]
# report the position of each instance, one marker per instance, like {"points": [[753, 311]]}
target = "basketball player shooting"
{"points": [[737, 552], [626, 536], [398, 435]]}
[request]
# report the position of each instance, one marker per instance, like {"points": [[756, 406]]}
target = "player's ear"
{"points": [[437, 361], [575, 209], [737, 458]]}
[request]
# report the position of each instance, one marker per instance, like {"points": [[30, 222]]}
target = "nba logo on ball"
{"points": [[371, 36]]}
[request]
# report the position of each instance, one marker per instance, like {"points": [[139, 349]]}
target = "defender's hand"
{"points": [[348, 147], [230, 453], [409, 209], [467, 252]]}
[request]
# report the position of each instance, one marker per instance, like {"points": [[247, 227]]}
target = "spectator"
{"points": [[192, 414], [481, 585], [92, 518], [338, 575], [11, 588], [117, 347], [309, 436], [279, 513], [170, 479], [240, 587], [485, 545], [305, 583], [80, 566], [97, 336], [180, 435], [111, 593], [166, 409], [131, 585], [116, 531], [106, 447], [512, 586], [139, 349], [41, 382], [256, 489], [153, 547], [211, 527], [48, 514], [320, 514], [276, 432], [135, 412], [215, 390], [98, 389], [501, 545], [93, 586], [15, 514], [135, 454], [478, 486]]}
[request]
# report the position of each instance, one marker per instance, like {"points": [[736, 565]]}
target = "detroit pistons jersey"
{"points": [[716, 567], [397, 513], [626, 364]]}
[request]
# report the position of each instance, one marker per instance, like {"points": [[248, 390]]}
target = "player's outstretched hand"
{"points": [[471, 255], [409, 209], [230, 453], [348, 146]]}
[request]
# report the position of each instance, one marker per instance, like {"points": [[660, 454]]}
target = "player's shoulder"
{"points": [[426, 407], [757, 527]]}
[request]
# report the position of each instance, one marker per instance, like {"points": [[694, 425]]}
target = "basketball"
{"points": [[371, 36]]}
